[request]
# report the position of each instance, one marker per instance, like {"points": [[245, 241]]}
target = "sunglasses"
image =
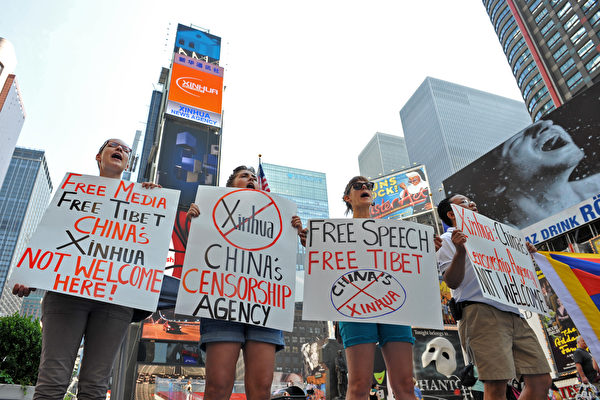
{"points": [[359, 185], [114, 145]]}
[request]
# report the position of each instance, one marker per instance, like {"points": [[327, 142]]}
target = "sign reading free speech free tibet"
{"points": [[102, 239], [371, 270], [501, 261], [240, 261]]}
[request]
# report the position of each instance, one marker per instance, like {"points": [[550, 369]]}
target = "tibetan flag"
{"points": [[262, 179], [576, 280]]}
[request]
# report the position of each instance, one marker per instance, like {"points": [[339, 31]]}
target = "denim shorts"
{"points": [[215, 330], [354, 333]]}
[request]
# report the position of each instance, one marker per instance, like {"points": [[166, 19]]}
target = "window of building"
{"points": [[512, 37], [515, 49], [571, 22], [535, 5], [505, 29], [567, 66], [554, 2], [574, 80], [531, 84], [560, 52], [521, 60], [577, 36], [552, 41], [595, 18], [526, 71], [585, 49], [587, 5], [546, 28], [501, 17], [593, 64], [543, 92], [541, 16], [563, 11], [495, 10]]}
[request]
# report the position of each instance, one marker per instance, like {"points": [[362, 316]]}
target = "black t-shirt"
{"points": [[585, 359]]}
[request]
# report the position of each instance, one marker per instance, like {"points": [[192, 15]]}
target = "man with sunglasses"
{"points": [[501, 343]]}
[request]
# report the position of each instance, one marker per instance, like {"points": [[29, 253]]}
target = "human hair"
{"points": [[358, 178], [235, 172], [444, 208]]}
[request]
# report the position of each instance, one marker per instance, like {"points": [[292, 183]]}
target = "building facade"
{"points": [[447, 126], [384, 154], [552, 47], [12, 112], [308, 189], [24, 197]]}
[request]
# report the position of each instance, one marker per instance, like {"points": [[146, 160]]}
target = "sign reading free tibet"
{"points": [[103, 239], [371, 270], [240, 261]]}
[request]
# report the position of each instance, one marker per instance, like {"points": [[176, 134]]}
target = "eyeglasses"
{"points": [[466, 201], [359, 185], [115, 145]]}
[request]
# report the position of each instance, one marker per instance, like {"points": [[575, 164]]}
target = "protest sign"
{"points": [[103, 239], [371, 270], [501, 261], [240, 259]]}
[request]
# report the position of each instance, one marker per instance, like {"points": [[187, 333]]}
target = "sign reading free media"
{"points": [[501, 261], [240, 262], [371, 270], [102, 239]]}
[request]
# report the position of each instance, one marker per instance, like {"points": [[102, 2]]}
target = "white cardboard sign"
{"points": [[103, 239], [240, 261], [501, 261], [371, 270]]}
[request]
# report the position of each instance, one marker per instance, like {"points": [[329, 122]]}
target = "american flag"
{"points": [[262, 179]]}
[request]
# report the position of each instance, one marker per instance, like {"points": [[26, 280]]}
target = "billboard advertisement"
{"points": [[437, 361], [195, 43], [195, 91], [402, 194], [189, 156], [168, 326], [547, 168]]}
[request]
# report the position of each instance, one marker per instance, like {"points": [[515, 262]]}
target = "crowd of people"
{"points": [[496, 337]]}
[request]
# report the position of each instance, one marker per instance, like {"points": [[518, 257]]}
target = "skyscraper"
{"points": [[12, 112], [24, 197], [447, 126], [383, 155], [308, 189], [552, 47]]}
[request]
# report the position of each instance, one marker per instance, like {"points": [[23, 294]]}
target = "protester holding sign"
{"points": [[67, 319], [503, 345], [360, 338], [222, 340]]}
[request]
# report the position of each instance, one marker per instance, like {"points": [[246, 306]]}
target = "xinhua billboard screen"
{"points": [[196, 43], [543, 179], [189, 156], [195, 91], [402, 194]]}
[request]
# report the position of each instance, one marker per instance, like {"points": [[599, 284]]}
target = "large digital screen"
{"points": [[540, 179], [195, 91], [196, 43], [168, 326], [189, 156], [401, 194]]}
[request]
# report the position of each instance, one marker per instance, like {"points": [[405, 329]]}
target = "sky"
{"points": [[307, 84]]}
